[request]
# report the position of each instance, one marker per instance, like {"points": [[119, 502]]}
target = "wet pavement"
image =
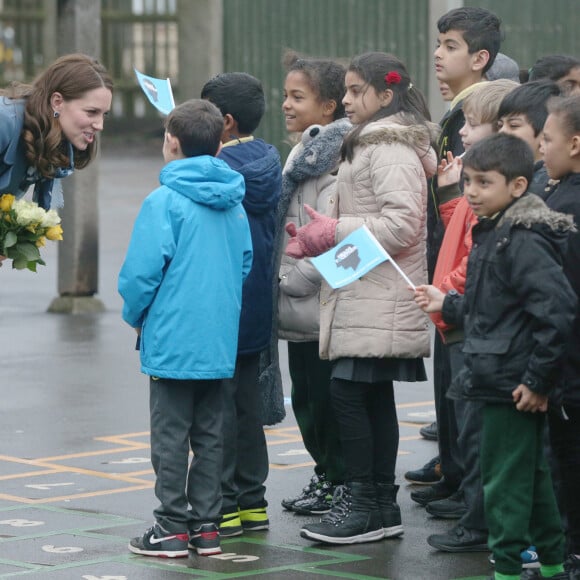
{"points": [[75, 476]]}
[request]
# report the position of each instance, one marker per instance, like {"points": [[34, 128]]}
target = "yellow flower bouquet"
{"points": [[24, 228]]}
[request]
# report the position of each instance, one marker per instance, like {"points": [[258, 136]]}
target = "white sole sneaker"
{"points": [[372, 536]]}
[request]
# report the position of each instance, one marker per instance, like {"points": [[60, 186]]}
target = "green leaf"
{"points": [[31, 266], [26, 236], [10, 239], [20, 263], [29, 251]]}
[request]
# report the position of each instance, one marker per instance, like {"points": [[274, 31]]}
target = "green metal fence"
{"points": [[140, 35], [534, 28], [143, 33], [257, 32], [21, 39]]}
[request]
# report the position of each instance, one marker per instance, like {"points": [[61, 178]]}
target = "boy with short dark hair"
{"points": [[560, 68], [523, 113], [517, 314], [240, 98], [181, 282], [468, 42]]}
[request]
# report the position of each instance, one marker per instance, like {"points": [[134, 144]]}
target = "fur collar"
{"points": [[530, 210], [395, 130], [320, 151], [320, 154]]}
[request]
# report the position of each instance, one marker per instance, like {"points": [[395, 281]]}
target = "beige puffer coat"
{"points": [[384, 188], [299, 290]]}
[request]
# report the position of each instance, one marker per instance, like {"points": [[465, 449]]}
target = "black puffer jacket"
{"points": [[518, 307], [566, 198]]}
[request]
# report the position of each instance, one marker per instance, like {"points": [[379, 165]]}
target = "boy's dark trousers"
{"points": [[565, 443], [245, 452], [313, 410], [184, 414], [447, 432], [469, 416], [520, 505]]}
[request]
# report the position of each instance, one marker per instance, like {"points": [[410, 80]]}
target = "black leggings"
{"points": [[369, 430]]}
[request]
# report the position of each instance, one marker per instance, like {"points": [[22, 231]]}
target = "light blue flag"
{"points": [[158, 91], [356, 255]]}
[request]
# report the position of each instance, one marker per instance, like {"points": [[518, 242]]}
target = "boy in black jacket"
{"points": [[517, 314], [240, 98], [561, 148]]}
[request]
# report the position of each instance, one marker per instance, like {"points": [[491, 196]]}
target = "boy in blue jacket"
{"points": [[181, 281], [517, 314], [240, 98]]}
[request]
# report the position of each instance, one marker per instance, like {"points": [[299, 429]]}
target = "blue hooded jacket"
{"points": [[260, 165], [182, 277]]}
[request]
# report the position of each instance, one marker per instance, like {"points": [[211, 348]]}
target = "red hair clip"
{"points": [[393, 78]]}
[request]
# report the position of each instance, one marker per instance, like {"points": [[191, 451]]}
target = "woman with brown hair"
{"points": [[49, 128]]}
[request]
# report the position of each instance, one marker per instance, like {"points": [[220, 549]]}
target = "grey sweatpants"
{"points": [[186, 414]]}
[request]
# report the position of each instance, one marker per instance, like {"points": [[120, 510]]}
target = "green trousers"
{"points": [[312, 408], [520, 507]]}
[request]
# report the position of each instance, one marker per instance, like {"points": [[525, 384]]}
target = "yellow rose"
{"points": [[40, 242], [54, 233], [6, 202]]}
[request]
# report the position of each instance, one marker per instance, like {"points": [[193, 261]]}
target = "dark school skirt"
{"points": [[379, 370]]}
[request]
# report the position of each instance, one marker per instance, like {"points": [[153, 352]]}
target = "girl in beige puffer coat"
{"points": [[369, 329]]}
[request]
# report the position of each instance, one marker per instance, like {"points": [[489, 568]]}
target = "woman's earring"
{"points": [[56, 114]]}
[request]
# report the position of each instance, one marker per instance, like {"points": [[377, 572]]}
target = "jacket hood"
{"points": [[205, 180], [530, 210], [259, 163], [395, 129]]}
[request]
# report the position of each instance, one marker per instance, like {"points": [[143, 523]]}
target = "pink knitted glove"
{"points": [[293, 248], [317, 236]]}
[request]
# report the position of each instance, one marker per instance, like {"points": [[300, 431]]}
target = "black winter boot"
{"points": [[353, 519], [389, 509]]}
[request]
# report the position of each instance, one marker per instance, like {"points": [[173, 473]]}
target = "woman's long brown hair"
{"points": [[72, 75]]}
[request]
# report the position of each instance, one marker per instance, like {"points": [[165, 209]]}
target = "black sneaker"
{"points": [[451, 508], [159, 542], [205, 540], [254, 519], [314, 483], [429, 432], [231, 525], [429, 474], [319, 502], [460, 539], [432, 493]]}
